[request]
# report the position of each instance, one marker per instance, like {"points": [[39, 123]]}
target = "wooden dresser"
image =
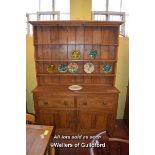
{"points": [[93, 108]]}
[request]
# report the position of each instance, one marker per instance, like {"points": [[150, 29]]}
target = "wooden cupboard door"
{"points": [[101, 120], [46, 117], [85, 120], [62, 120], [65, 120], [89, 120]]}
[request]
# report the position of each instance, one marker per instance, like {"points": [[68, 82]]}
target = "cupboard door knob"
{"points": [[65, 103], [45, 103], [84, 103], [104, 103]]}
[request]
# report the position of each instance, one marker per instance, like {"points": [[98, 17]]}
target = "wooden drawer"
{"points": [[96, 101], [56, 102]]}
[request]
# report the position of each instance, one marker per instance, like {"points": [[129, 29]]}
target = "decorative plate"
{"points": [[62, 68], [107, 68], [88, 67], [76, 54], [93, 53], [50, 68], [75, 87], [73, 67]]}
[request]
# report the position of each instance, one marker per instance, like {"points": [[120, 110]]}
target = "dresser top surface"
{"points": [[76, 23], [63, 89]]}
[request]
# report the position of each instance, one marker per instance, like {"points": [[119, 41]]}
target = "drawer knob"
{"points": [[104, 103], [84, 103], [45, 103], [65, 103]]}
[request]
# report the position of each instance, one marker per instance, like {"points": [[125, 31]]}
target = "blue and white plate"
{"points": [[93, 53], [62, 68], [107, 68]]}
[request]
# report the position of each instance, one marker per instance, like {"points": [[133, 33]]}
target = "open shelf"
{"points": [[54, 45], [75, 44], [69, 74], [78, 60]]}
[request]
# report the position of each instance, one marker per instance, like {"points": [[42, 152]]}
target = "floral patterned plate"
{"points": [[93, 53], [107, 68], [88, 67], [62, 68], [76, 54], [73, 68], [50, 68]]}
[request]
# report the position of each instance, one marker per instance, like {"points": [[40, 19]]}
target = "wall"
{"points": [[81, 10], [122, 74], [30, 73]]}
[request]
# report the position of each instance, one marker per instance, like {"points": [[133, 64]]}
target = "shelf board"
{"points": [[69, 74], [80, 60], [75, 44]]}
